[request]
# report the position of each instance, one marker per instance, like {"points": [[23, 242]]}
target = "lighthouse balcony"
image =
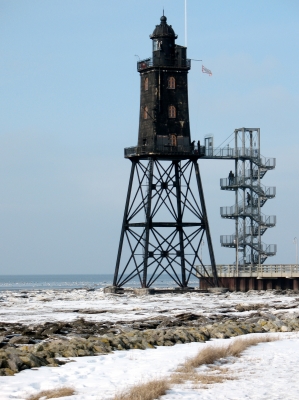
{"points": [[149, 62], [164, 150]]}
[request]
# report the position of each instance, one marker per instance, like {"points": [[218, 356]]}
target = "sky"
{"points": [[69, 101]]}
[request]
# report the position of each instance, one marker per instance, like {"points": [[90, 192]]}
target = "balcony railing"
{"points": [[148, 62], [249, 231], [263, 248], [266, 271], [162, 150], [240, 181], [240, 152], [250, 211], [143, 64]]}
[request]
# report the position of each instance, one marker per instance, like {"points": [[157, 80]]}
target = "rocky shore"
{"points": [[24, 346]]}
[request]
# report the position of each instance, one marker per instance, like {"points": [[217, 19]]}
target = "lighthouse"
{"points": [[165, 219]]}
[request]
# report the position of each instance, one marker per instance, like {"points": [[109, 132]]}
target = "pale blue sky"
{"points": [[70, 104]]}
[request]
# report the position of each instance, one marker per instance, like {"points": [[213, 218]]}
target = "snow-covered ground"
{"points": [[67, 305], [266, 371]]}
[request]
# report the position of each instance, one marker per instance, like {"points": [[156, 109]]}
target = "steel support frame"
{"points": [[157, 245]]}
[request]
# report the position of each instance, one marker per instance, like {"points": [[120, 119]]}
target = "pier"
{"points": [[256, 277]]}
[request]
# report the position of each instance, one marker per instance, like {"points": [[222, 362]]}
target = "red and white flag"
{"points": [[206, 70]]}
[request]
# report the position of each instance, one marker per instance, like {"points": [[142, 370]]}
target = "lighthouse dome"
{"points": [[163, 30]]}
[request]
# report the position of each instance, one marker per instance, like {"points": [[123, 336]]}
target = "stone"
{"points": [[269, 316], [144, 291], [278, 323], [6, 372], [110, 289], [262, 322], [99, 349], [82, 353], [52, 362], [201, 337], [19, 340], [70, 353], [247, 328], [51, 330], [239, 331], [38, 361], [284, 328], [147, 345], [14, 362], [183, 336], [205, 331], [26, 360]]}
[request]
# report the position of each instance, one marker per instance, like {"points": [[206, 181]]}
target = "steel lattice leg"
{"points": [[163, 225]]}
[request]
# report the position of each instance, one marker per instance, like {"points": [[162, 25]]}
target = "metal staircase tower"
{"points": [[250, 196]]}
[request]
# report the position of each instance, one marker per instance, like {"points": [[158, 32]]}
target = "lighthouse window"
{"points": [[172, 140], [171, 112], [145, 112], [171, 83], [146, 84], [157, 44]]}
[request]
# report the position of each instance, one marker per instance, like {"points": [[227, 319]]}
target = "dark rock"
{"points": [[186, 317], [90, 311]]}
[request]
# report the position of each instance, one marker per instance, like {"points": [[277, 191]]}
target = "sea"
{"points": [[35, 282]]}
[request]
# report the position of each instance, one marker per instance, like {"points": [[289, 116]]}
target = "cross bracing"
{"points": [[164, 224]]}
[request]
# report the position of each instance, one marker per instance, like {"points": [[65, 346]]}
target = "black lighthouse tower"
{"points": [[165, 218]]}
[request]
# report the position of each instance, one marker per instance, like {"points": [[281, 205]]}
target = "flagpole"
{"points": [[185, 23]]}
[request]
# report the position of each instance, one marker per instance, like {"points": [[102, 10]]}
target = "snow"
{"points": [[60, 305], [101, 376], [266, 371]]}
